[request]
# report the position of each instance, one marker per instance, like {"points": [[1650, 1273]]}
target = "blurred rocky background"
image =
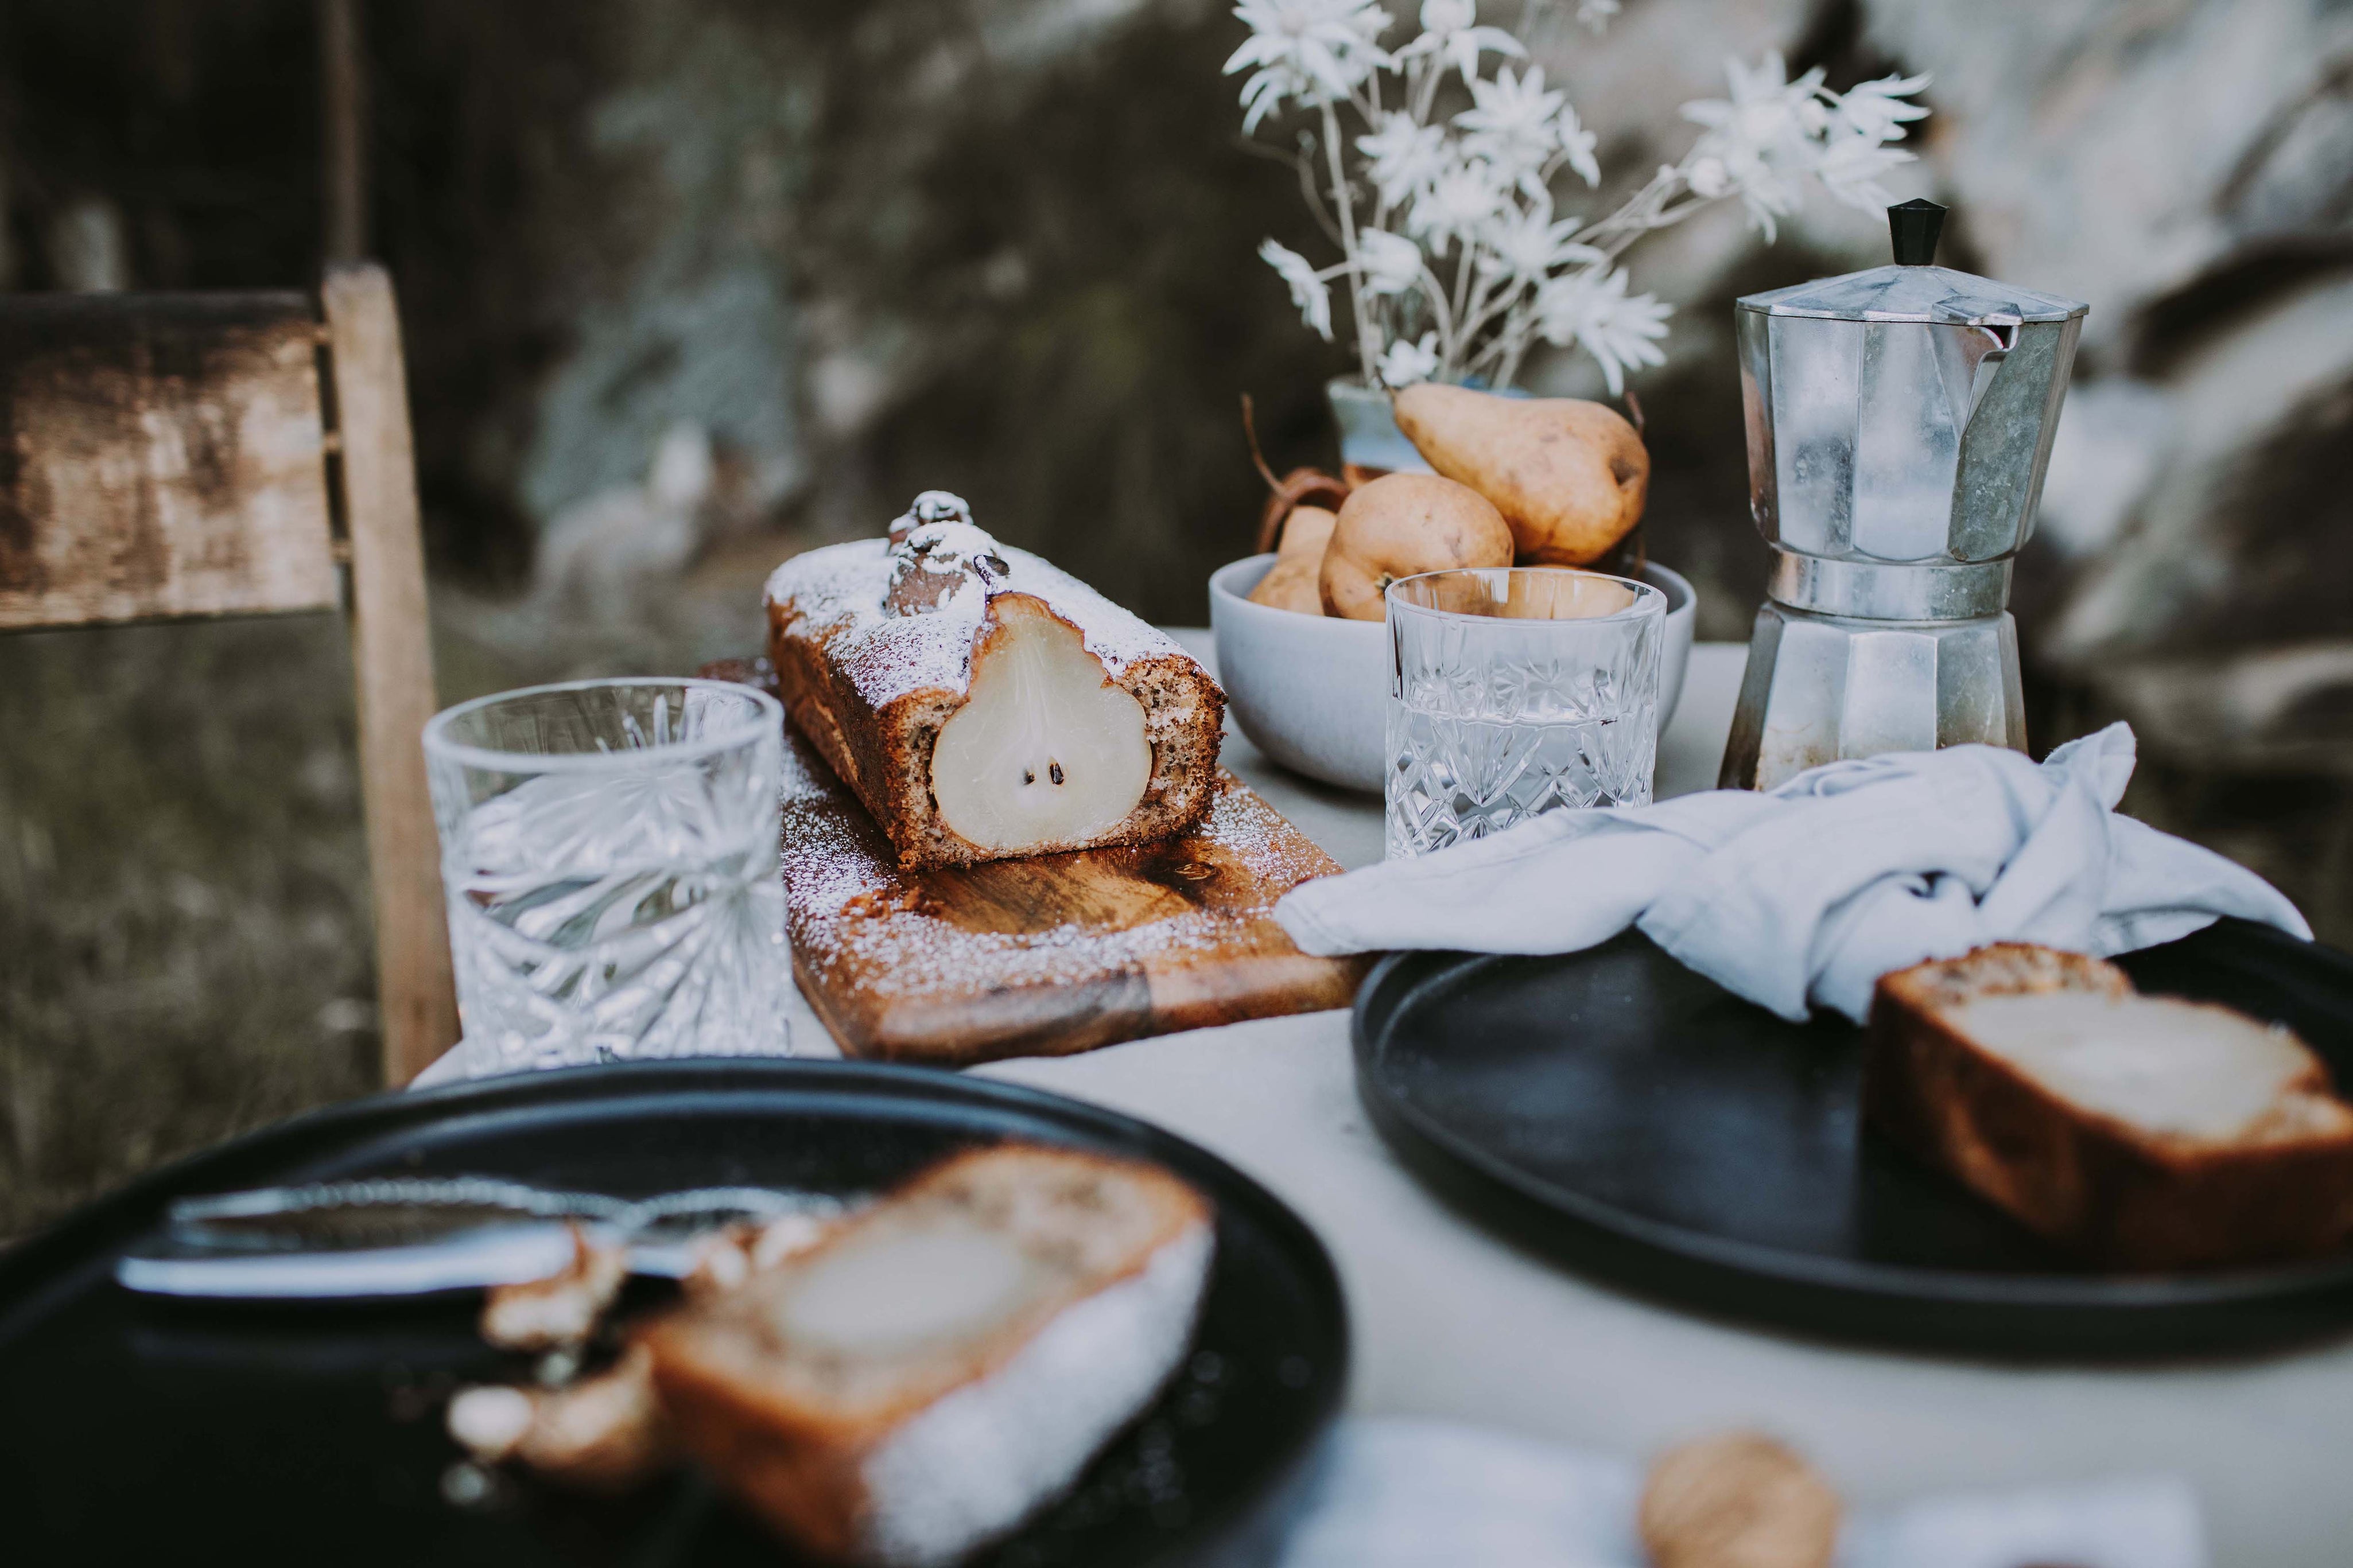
{"points": [[690, 285]]}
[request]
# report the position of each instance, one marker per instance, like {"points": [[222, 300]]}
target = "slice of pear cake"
{"points": [[2143, 1132], [946, 1363], [982, 704]]}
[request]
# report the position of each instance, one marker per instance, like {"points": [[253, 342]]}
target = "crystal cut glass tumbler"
{"points": [[608, 848], [1514, 691]]}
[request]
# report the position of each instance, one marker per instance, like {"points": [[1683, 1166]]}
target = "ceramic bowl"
{"points": [[1311, 692]]}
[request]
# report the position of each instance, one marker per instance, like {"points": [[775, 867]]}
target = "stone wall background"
{"points": [[687, 286]]}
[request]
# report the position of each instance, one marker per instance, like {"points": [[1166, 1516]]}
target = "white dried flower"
{"points": [[1455, 204], [1759, 136], [1511, 121], [1315, 51], [1387, 263], [1405, 157], [1450, 30], [1576, 144], [1528, 245], [1616, 328], [1308, 292], [1404, 363], [1773, 132], [1877, 109], [1764, 191], [1850, 168], [1485, 179], [1764, 110]]}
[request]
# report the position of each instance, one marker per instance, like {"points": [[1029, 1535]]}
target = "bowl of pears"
{"points": [[1303, 646]]}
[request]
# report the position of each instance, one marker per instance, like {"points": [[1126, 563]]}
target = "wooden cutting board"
{"points": [[1044, 955]]}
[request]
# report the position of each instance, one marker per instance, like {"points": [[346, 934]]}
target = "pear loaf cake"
{"points": [[947, 1362], [984, 704], [2143, 1132]]}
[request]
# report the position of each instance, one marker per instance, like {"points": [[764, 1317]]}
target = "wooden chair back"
{"points": [[165, 456]]}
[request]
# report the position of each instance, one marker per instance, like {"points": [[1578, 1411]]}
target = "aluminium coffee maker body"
{"points": [[1899, 422]]}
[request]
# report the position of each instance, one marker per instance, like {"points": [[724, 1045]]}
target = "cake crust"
{"points": [[2122, 1195], [874, 644]]}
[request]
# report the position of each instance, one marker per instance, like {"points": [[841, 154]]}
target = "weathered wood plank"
{"points": [[392, 658], [160, 455]]}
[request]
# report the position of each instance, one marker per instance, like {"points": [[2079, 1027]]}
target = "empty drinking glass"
{"points": [[1516, 691], [609, 852]]}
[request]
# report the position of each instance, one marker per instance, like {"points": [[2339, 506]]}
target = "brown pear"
{"points": [[1400, 525], [1305, 532], [1290, 585], [1571, 476], [1563, 596]]}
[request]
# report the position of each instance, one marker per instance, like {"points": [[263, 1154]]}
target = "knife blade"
{"points": [[396, 1236]]}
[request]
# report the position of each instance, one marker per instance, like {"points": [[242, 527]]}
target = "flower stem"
{"points": [[1365, 352], [1434, 293], [1431, 72], [1513, 343], [1648, 209], [1485, 309], [1462, 304]]}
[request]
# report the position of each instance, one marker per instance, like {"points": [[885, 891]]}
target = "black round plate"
{"points": [[1644, 1124], [137, 1430]]}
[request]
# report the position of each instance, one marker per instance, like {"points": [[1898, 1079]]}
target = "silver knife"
{"points": [[395, 1237]]}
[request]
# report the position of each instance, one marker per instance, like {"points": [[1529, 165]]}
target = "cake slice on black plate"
{"points": [[946, 1364], [2145, 1132]]}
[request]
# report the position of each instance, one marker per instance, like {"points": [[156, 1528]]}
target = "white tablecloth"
{"points": [[1453, 1322]]}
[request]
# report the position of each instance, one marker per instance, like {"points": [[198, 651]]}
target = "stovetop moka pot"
{"points": [[1899, 423]]}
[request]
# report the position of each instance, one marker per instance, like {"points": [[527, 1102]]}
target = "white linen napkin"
{"points": [[1810, 891], [1408, 1493]]}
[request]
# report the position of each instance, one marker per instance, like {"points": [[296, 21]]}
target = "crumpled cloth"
{"points": [[1804, 895], [1400, 1492]]}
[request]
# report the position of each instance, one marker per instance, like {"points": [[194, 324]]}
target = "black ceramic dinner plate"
{"points": [[1643, 1124], [140, 1430]]}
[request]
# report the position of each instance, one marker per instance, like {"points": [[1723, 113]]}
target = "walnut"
{"points": [[1738, 1500], [932, 506], [932, 560], [561, 1310], [726, 1258], [603, 1433]]}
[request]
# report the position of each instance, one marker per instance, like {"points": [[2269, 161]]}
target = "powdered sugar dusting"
{"points": [[837, 597]]}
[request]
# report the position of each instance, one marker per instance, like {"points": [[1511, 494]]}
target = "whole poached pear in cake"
{"points": [[982, 704], [1045, 748], [1569, 477]]}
